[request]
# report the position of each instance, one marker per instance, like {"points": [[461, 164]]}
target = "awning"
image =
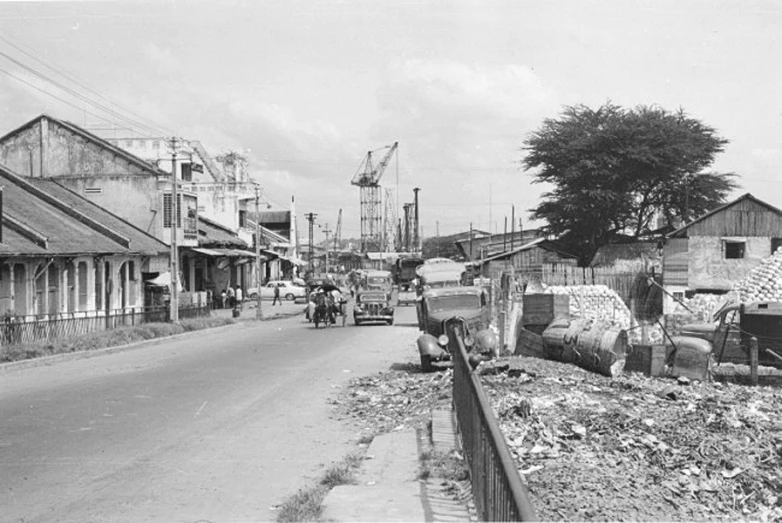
{"points": [[230, 253], [293, 260], [224, 252]]}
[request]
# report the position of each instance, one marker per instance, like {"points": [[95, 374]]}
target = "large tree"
{"points": [[613, 169]]}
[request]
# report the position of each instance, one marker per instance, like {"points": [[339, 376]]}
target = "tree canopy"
{"points": [[613, 170]]}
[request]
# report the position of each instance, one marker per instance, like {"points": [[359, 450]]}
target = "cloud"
{"points": [[462, 126]]}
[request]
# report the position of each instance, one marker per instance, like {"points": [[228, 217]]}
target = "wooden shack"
{"points": [[712, 252]]}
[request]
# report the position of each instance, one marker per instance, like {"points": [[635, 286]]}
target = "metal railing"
{"points": [[497, 489], [16, 330]]}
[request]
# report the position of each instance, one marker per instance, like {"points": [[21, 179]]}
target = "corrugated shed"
{"points": [[608, 255]]}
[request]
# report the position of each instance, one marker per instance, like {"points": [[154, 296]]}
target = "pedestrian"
{"points": [[223, 296], [230, 297], [239, 297], [276, 296]]}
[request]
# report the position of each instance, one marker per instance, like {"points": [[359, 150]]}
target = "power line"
{"points": [[54, 96], [30, 52], [77, 94]]}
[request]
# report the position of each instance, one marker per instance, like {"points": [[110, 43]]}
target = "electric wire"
{"points": [[76, 94], [30, 52], [53, 95]]}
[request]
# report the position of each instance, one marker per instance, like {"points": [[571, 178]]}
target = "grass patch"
{"points": [[307, 503], [443, 465], [105, 339]]}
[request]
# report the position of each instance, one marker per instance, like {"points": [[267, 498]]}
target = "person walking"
{"points": [[276, 296], [230, 297], [239, 298]]}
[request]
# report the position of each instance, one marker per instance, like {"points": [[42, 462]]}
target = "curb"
{"points": [[84, 354]]}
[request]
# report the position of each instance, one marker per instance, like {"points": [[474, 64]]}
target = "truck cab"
{"points": [[733, 328]]}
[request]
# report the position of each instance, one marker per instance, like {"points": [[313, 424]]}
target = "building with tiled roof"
{"points": [[64, 256]]}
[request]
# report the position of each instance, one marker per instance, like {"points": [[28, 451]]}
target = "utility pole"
{"points": [[311, 218], [258, 279], [327, 231], [417, 232], [512, 225], [174, 303]]}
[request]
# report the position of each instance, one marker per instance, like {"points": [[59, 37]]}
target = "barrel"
{"points": [[593, 345]]}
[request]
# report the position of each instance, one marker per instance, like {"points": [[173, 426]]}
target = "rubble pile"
{"points": [[763, 283], [633, 448], [595, 302], [394, 400]]}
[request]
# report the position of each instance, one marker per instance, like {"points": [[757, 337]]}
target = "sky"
{"points": [[306, 88]]}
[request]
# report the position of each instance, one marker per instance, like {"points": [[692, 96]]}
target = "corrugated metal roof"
{"points": [[64, 223], [213, 234]]}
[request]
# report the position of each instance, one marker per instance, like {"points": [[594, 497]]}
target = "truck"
{"points": [[729, 337], [404, 271]]}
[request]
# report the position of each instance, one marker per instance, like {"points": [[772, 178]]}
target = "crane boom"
{"points": [[370, 175], [338, 232]]}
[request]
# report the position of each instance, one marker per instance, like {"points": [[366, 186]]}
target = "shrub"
{"points": [[105, 339]]}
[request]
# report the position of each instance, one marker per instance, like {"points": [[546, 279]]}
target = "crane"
{"points": [[338, 232], [368, 181]]}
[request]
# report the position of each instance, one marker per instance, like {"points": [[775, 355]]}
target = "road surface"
{"points": [[221, 425]]}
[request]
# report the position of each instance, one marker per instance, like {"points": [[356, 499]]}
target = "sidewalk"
{"points": [[388, 486]]}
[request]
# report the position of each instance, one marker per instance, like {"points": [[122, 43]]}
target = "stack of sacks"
{"points": [[595, 302], [763, 283], [702, 306]]}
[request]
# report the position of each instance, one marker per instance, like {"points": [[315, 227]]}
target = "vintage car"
{"points": [[377, 280], [466, 309], [373, 306]]}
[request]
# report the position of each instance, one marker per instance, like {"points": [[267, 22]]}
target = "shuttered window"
{"points": [[167, 211]]}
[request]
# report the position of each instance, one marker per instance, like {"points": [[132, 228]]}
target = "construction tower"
{"points": [[389, 222], [367, 178]]}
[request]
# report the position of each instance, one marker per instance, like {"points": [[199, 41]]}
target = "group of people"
{"points": [[230, 298], [331, 303]]}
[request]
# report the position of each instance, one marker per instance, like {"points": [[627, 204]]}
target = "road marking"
{"points": [[199, 410]]}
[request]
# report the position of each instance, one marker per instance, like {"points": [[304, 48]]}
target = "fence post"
{"points": [[753, 360]]}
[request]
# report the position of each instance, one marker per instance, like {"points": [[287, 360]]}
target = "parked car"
{"points": [[288, 291], [373, 306], [467, 309]]}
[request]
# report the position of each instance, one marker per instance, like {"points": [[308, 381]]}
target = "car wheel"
{"points": [[426, 363], [290, 297], [254, 296], [357, 322], [390, 322]]}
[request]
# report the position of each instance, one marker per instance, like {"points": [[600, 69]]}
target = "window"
{"points": [[167, 211], [776, 243], [156, 144], [734, 250], [242, 218], [187, 172]]}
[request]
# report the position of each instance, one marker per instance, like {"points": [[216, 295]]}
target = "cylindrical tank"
{"points": [[593, 345]]}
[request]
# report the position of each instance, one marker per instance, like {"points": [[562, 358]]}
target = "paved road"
{"points": [[217, 426]]}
